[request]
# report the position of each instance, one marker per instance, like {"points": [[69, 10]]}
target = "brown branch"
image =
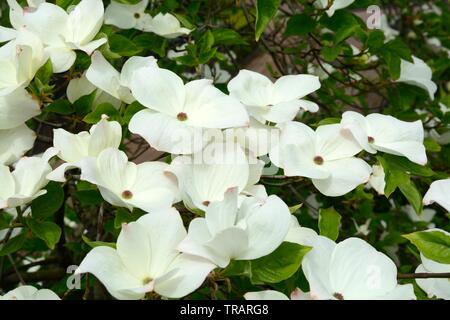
{"points": [[423, 275]]}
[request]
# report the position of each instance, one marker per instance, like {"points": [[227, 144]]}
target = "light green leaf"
{"points": [[265, 11], [45, 230], [94, 244], [329, 223], [13, 245], [434, 245]]}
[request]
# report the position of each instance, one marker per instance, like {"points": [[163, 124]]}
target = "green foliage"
{"points": [[329, 223], [265, 10], [434, 245]]}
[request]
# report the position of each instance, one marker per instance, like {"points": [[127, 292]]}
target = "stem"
{"points": [[423, 275]]}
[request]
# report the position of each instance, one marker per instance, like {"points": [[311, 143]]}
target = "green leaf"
{"points": [[265, 11], [123, 46], [413, 195], [47, 204], [375, 40], [45, 230], [152, 42], [131, 110], [279, 265], [128, 1], [13, 245], [228, 37], [88, 194], [434, 245], [329, 223], [294, 209], [102, 109], [45, 73], [94, 244], [84, 104], [299, 25], [330, 53], [125, 216], [431, 145], [399, 48], [65, 3], [403, 164], [61, 106]]}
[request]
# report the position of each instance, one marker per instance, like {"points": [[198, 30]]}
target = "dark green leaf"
{"points": [[61, 106], [265, 11], [123, 46], [102, 109], [47, 231], [13, 245], [300, 24], [47, 204]]}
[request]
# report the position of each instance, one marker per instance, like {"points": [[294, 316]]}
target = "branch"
{"points": [[423, 275]]}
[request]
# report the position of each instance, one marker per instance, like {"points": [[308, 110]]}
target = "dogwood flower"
{"points": [[335, 5], [72, 148], [30, 293], [326, 156], [376, 180], [438, 192], [16, 108], [351, 270], [205, 176], [378, 132], [227, 232], [128, 16], [62, 32], [126, 184], [104, 76], [26, 182], [434, 287], [418, 74], [275, 102], [14, 143], [177, 113], [147, 259], [425, 216], [20, 59], [166, 25], [297, 294]]}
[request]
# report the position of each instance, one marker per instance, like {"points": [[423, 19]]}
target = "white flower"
{"points": [[62, 32], [326, 156], [81, 86], [227, 232], [14, 143], [425, 216], [177, 113], [20, 59], [167, 26], [128, 16], [104, 76], [336, 5], [362, 229], [125, 184], [30, 293], [16, 108], [204, 177], [434, 287], [300, 235], [74, 147], [378, 132], [297, 294], [146, 260], [418, 74], [438, 192], [376, 180], [275, 102], [26, 182], [351, 270], [389, 33]]}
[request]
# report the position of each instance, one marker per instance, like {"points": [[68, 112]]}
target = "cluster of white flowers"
{"points": [[215, 139]]}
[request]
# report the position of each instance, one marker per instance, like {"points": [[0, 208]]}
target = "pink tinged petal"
{"points": [[267, 227], [228, 244], [85, 20], [16, 108], [333, 143], [103, 75], [187, 273], [251, 88], [133, 64], [14, 143], [356, 123], [106, 265], [265, 295], [71, 147], [292, 87], [165, 230], [105, 134], [160, 90], [280, 112], [222, 215], [165, 133], [345, 175], [298, 294]]}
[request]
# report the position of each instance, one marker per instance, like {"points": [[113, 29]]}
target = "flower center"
{"points": [[137, 15], [370, 139], [318, 160], [182, 116], [206, 203], [147, 280], [338, 296], [127, 194]]}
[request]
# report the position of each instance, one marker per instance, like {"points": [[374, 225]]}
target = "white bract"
{"points": [[227, 232], [128, 16], [74, 147], [177, 113], [434, 287], [274, 102], [297, 294], [103, 75], [30, 293], [14, 143], [167, 25], [335, 5], [325, 155], [20, 59], [26, 182], [62, 32], [126, 184], [376, 180], [352, 270], [16, 108], [378, 132], [418, 74], [147, 259], [205, 176], [438, 192]]}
